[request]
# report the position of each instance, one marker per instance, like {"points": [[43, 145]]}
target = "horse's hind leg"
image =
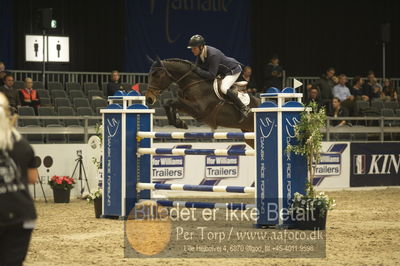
{"points": [[171, 111], [249, 142]]}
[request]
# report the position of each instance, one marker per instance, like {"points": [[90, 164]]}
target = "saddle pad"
{"points": [[243, 96]]}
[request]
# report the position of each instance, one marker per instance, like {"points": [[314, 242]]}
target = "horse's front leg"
{"points": [[169, 111], [171, 108]]}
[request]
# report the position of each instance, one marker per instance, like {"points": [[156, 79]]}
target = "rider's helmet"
{"points": [[196, 41]]}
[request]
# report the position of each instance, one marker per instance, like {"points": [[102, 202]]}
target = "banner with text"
{"points": [[333, 169], [168, 167], [163, 28], [375, 164], [222, 166]]}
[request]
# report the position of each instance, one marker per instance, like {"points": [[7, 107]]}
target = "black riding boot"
{"points": [[244, 110]]}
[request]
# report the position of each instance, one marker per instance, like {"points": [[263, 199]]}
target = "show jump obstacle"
{"points": [[128, 134]]}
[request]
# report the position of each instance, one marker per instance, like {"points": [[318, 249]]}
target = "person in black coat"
{"points": [[17, 210], [313, 96], [211, 63], [11, 93], [115, 84], [273, 74], [3, 73], [337, 110]]}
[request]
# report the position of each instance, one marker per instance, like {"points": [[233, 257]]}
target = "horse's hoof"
{"points": [[181, 124]]}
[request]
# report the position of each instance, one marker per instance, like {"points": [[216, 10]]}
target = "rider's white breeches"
{"points": [[228, 81]]}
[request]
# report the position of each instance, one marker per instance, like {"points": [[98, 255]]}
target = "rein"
{"points": [[176, 80]]}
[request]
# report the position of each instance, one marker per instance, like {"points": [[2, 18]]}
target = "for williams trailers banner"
{"points": [[375, 164]]}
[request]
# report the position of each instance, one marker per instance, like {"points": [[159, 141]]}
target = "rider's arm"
{"points": [[212, 69]]}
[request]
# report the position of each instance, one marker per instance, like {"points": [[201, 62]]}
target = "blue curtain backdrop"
{"points": [[6, 36], [163, 27]]}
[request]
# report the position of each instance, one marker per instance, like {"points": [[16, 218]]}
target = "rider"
{"points": [[211, 62]]}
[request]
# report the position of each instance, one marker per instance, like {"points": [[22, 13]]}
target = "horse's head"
{"points": [[159, 80]]}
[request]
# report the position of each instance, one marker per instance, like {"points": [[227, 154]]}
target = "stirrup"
{"points": [[244, 114], [245, 110]]}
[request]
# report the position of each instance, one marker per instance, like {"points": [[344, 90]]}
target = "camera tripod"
{"points": [[79, 163], [41, 186]]}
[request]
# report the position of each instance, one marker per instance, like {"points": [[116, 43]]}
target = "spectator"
{"points": [[28, 96], [341, 91], [246, 76], [10, 93], [17, 212], [371, 81], [114, 85], [3, 73], [389, 92], [338, 111], [335, 80], [376, 90], [325, 85], [313, 96], [273, 74], [358, 90]]}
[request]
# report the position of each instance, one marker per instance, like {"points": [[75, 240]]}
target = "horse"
{"points": [[196, 97]]}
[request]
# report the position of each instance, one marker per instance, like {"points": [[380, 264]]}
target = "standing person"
{"points": [[18, 169], [325, 85], [273, 74], [246, 76], [114, 85], [10, 93], [211, 62], [28, 96]]}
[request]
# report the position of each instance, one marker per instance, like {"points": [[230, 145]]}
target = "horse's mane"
{"points": [[179, 60], [172, 60]]}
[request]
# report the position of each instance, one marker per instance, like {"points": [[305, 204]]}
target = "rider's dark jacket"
{"points": [[216, 63]]}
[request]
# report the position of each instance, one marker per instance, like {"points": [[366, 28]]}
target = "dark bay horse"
{"points": [[196, 97]]}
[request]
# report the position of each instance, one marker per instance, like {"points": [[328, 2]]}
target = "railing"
{"points": [[310, 80], [80, 77], [391, 127], [133, 78], [386, 126], [85, 129]]}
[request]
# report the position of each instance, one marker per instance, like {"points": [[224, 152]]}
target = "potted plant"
{"points": [[96, 198], [61, 186], [310, 210]]}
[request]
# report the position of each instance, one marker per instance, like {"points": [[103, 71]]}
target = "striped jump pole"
{"points": [[158, 151], [205, 205], [203, 188], [196, 135]]}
